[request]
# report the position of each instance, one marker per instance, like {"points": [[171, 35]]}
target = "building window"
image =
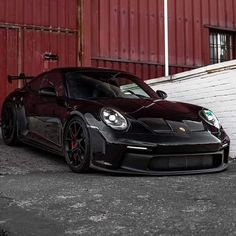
{"points": [[221, 47]]}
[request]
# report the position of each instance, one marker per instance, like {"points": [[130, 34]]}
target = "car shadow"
{"points": [[44, 154]]}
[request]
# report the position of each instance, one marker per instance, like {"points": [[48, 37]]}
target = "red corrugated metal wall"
{"points": [[129, 34], [31, 28], [8, 60], [50, 13], [124, 34]]}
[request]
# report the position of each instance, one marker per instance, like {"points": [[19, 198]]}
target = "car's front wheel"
{"points": [[77, 145], [9, 125]]}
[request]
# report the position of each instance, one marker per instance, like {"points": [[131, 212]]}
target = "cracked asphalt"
{"points": [[40, 196]]}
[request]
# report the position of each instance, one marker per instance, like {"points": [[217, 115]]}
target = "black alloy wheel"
{"points": [[76, 145], [9, 125]]}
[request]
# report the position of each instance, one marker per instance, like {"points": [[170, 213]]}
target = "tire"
{"points": [[77, 145], [9, 125]]}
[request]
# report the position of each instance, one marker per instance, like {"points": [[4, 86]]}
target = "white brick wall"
{"points": [[213, 87]]}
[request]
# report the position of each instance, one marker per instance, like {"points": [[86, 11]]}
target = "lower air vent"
{"points": [[195, 162]]}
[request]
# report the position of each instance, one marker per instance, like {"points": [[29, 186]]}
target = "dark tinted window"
{"points": [[103, 85], [51, 79]]}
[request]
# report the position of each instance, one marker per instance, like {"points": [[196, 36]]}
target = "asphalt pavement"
{"points": [[40, 196]]}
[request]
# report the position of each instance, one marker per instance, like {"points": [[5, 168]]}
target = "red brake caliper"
{"points": [[73, 146]]}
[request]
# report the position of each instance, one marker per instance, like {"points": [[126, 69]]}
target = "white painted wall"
{"points": [[213, 87]]}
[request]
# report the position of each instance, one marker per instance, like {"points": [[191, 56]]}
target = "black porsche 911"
{"points": [[111, 120]]}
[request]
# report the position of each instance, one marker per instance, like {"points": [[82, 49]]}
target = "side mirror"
{"points": [[48, 91], [161, 94]]}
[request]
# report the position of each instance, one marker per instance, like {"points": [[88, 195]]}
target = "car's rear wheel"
{"points": [[77, 145], [9, 125]]}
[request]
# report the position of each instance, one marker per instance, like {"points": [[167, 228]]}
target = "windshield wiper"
{"points": [[114, 76]]}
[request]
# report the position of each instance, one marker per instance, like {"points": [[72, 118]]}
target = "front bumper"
{"points": [[158, 154]]}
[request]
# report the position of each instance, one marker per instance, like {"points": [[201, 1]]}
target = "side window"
{"points": [[56, 79], [44, 81], [50, 79], [35, 83]]}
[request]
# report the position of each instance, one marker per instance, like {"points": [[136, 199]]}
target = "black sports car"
{"points": [[111, 120]]}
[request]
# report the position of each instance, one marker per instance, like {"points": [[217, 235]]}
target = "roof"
{"points": [[88, 69]]}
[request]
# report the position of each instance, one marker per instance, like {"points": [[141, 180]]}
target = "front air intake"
{"points": [[185, 162]]}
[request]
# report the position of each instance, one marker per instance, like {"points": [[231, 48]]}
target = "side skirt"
{"points": [[41, 146]]}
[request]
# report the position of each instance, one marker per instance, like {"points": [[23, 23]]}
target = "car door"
{"points": [[46, 117], [31, 99]]}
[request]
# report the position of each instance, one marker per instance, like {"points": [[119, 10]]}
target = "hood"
{"points": [[141, 108], [158, 115]]}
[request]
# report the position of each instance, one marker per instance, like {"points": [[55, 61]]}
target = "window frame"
{"points": [[216, 37]]}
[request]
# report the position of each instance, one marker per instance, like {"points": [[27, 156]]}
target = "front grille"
{"points": [[185, 162]]}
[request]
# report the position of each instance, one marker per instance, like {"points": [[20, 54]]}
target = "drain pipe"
{"points": [[166, 39]]}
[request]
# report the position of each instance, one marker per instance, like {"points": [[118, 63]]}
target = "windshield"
{"points": [[106, 85]]}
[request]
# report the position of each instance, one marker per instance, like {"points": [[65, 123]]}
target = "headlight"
{"points": [[114, 119], [210, 118]]}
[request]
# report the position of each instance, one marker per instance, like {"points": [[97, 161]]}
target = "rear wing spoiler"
{"points": [[20, 77]]}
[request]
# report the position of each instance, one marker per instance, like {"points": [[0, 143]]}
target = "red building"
{"points": [[36, 35], [129, 34]]}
